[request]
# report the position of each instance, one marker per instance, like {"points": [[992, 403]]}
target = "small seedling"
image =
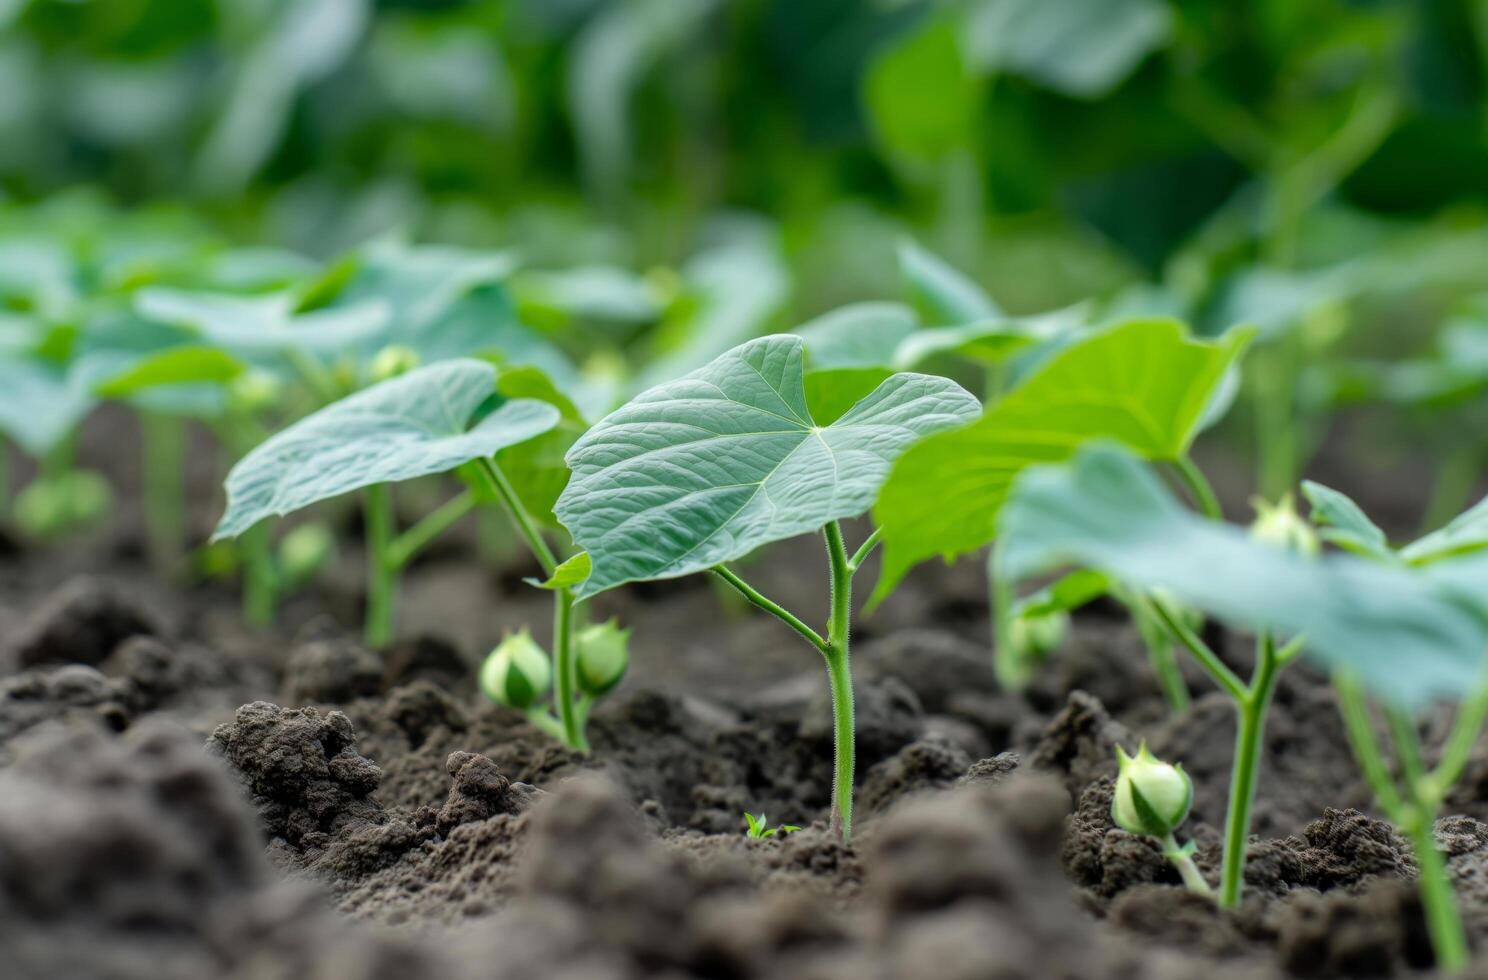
{"points": [[699, 472], [1152, 799], [759, 826], [1353, 612]]}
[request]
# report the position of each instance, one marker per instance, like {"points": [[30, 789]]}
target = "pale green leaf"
{"points": [[570, 573], [414, 425], [264, 326], [942, 294], [707, 468], [859, 335], [1408, 635], [176, 366], [1344, 523], [1467, 532], [1144, 383]]}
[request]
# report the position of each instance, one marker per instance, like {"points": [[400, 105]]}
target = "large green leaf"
{"points": [[921, 98], [184, 365], [414, 425], [1082, 48], [42, 403], [256, 327], [1144, 383], [1409, 635], [707, 468]]}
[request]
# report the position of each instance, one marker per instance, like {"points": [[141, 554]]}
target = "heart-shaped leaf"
{"points": [[1407, 633], [1144, 383], [707, 468], [413, 425]]}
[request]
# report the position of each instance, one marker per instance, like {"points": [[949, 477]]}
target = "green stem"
{"points": [[1443, 919], [260, 576], [1250, 731], [1452, 489], [377, 502], [1199, 488], [770, 606], [1207, 658], [564, 665], [4, 479], [1466, 728], [866, 549], [1367, 751], [1160, 653], [839, 676], [406, 546], [1182, 859], [164, 440]]}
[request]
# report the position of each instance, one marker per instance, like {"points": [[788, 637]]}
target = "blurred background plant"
{"points": [[670, 177]]}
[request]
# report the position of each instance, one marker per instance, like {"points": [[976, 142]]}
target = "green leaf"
{"points": [[176, 366], [1344, 523], [859, 335], [942, 294], [536, 468], [1465, 533], [1081, 48], [921, 98], [1067, 594], [414, 425], [262, 326], [989, 342], [1144, 383], [570, 573], [42, 404], [1405, 634], [707, 468]]}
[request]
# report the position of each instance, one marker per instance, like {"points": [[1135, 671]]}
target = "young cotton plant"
{"points": [[1406, 633], [699, 472]]}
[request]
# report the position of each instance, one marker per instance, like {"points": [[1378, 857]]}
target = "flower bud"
{"points": [[1038, 636], [393, 360], [603, 653], [253, 391], [304, 551], [1152, 798], [517, 672], [1282, 527]]}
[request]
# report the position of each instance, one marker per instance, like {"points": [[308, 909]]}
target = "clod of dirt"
{"points": [[937, 666], [928, 764], [420, 709], [1100, 857], [74, 694], [1342, 849], [330, 670], [1079, 745], [80, 623], [301, 770], [991, 772], [425, 658], [1178, 918], [479, 792], [1368, 934]]}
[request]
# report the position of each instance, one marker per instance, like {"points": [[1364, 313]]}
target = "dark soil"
{"points": [[182, 798]]}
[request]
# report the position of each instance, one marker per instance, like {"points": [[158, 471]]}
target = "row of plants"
{"points": [[403, 363]]}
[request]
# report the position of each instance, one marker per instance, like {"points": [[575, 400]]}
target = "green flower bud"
{"points": [[603, 653], [1039, 636], [304, 551], [393, 360], [517, 672], [51, 506], [1281, 526], [254, 391], [1152, 798]]}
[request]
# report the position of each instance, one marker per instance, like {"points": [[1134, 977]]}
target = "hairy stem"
{"points": [[770, 606], [1250, 731], [164, 439], [565, 668], [839, 676], [1207, 658], [377, 504]]}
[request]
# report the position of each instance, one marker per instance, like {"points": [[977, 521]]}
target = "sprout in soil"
{"points": [[758, 826], [1354, 613], [699, 472], [1152, 799]]}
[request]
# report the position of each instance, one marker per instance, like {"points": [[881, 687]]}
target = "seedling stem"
{"points": [[377, 505], [835, 648], [1414, 805], [570, 712]]}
